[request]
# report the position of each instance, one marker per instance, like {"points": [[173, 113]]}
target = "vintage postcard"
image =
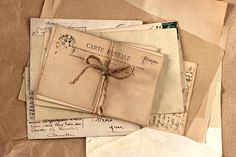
{"points": [[78, 51]]}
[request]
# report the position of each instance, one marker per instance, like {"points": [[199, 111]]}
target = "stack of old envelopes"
{"points": [[104, 79]]}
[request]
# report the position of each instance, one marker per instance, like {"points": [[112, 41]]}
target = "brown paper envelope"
{"points": [[206, 55]]}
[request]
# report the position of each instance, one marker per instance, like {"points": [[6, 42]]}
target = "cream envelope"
{"points": [[152, 143]]}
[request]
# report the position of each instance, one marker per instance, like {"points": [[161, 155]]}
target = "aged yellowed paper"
{"points": [[165, 37]]}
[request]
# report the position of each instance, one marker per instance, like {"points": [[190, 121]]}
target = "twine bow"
{"points": [[96, 63]]}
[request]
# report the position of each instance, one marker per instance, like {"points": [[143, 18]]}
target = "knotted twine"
{"points": [[106, 73]]}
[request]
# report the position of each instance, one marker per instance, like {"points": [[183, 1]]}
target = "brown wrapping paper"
{"points": [[229, 89], [14, 53]]}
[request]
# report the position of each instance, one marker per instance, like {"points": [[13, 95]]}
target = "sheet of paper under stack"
{"points": [[124, 85]]}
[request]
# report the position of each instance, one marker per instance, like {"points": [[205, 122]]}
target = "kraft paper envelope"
{"points": [[70, 47], [152, 143], [207, 55]]}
